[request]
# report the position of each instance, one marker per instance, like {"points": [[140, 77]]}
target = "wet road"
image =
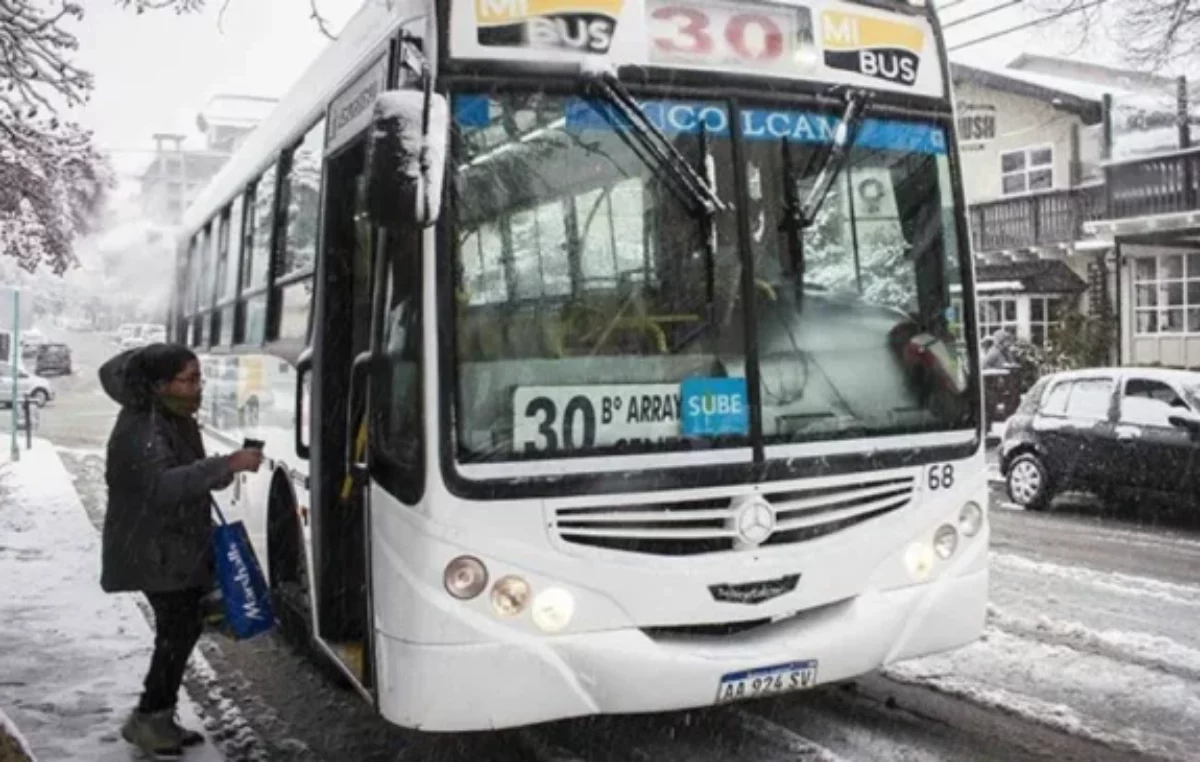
{"points": [[81, 414], [1091, 653]]}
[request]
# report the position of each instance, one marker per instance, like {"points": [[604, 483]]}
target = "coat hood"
{"points": [[112, 378]]}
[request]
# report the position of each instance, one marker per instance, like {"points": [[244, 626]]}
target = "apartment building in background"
{"points": [[176, 175]]}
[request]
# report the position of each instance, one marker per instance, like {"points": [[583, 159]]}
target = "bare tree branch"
{"points": [[322, 24], [1152, 34], [192, 6]]}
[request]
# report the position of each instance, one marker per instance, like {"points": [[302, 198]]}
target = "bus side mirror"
{"points": [[407, 150]]}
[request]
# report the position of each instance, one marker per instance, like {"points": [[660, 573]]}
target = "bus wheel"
{"points": [[288, 567]]}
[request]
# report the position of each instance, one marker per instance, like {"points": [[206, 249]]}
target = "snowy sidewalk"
{"points": [[72, 657]]}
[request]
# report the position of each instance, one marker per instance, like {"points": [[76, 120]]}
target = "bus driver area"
{"points": [[572, 641]]}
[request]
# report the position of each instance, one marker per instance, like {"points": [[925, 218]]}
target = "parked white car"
{"points": [[36, 388], [143, 334], [30, 341]]}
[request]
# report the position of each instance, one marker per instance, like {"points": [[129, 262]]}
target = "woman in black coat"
{"points": [[157, 527]]}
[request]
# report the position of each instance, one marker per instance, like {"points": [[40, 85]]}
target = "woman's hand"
{"points": [[245, 460]]}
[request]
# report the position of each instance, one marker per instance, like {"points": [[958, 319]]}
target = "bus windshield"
{"points": [[587, 292]]}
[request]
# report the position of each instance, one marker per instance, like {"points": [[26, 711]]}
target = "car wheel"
{"points": [[40, 397], [1028, 482]]}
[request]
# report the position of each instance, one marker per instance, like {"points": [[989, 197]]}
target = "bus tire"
{"points": [[289, 577]]}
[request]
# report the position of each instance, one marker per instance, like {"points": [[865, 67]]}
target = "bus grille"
{"points": [[692, 527]]}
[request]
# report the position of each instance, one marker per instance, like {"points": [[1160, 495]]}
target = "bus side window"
{"points": [[398, 391]]}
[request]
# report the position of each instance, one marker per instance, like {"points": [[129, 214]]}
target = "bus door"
{"points": [[339, 510]]}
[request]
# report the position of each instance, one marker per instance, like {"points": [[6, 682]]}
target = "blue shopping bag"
{"points": [[244, 591]]}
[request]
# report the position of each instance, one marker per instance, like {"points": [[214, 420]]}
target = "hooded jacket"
{"points": [[157, 526]]}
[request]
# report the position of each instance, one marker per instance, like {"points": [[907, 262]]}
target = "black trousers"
{"points": [[178, 622]]}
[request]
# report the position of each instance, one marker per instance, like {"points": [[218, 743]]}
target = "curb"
{"points": [[13, 746]]}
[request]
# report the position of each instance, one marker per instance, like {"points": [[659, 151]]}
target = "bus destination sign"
{"points": [[819, 40]]}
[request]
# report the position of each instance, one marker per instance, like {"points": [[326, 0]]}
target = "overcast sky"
{"points": [[155, 71]]}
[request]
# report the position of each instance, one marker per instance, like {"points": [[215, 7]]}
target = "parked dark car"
{"points": [[53, 360], [1105, 430]]}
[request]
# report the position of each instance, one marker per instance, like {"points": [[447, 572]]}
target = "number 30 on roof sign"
{"points": [[710, 34]]}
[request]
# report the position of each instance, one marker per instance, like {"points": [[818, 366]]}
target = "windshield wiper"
{"points": [[799, 217], [602, 81]]}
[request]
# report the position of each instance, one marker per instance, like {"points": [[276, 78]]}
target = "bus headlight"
{"points": [[970, 519], [465, 577], [945, 541], [509, 596], [919, 560], [552, 609]]}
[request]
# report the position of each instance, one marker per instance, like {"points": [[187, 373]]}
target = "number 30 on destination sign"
{"points": [[719, 35]]}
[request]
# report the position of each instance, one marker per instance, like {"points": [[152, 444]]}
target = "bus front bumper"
{"points": [[497, 685]]}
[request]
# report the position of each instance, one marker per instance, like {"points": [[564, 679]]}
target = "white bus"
{"points": [[611, 356]]}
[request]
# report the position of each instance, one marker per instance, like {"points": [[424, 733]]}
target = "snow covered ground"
{"points": [[1075, 641], [1092, 653], [71, 657]]}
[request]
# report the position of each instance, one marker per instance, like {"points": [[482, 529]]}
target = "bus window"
{"points": [[257, 259], [303, 203], [608, 280], [398, 407]]}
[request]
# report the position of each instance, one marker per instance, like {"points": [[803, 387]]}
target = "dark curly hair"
{"points": [[153, 365]]}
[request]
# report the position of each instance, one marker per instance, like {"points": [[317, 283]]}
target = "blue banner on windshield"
{"points": [[472, 110], [691, 117], [811, 127], [672, 117]]}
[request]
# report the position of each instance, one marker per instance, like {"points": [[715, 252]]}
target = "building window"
{"points": [[1044, 316], [1167, 294], [1026, 170], [996, 313]]}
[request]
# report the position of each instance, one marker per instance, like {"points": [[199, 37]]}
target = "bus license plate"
{"points": [[767, 681]]}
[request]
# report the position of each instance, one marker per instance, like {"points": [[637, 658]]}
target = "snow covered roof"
{"points": [[1115, 77], [1082, 98], [234, 111], [1042, 276]]}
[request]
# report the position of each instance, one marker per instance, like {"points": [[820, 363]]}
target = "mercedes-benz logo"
{"points": [[755, 521]]}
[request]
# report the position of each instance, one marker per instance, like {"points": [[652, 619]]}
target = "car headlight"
{"points": [[919, 560], [510, 595], [945, 541], [970, 519], [552, 609], [465, 577]]}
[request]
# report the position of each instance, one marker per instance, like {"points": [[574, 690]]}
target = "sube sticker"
{"points": [[714, 407]]}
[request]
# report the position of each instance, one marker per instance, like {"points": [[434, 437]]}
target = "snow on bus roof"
{"points": [[304, 103]]}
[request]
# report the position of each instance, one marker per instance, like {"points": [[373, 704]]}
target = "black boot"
{"points": [[187, 737]]}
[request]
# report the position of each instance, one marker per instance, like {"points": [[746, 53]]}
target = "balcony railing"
{"points": [[1152, 185], [1040, 219], [1156, 185]]}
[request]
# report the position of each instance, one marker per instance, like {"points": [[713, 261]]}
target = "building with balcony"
{"points": [[1083, 188], [176, 175]]}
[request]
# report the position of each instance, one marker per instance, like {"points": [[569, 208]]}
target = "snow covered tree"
{"points": [[887, 275], [52, 179], [1151, 33]]}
